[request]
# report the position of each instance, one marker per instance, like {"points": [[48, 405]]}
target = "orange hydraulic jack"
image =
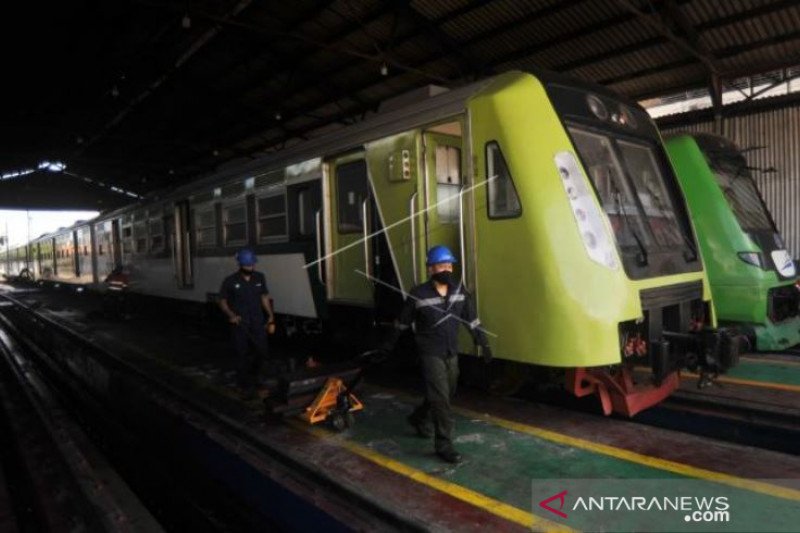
{"points": [[334, 404]]}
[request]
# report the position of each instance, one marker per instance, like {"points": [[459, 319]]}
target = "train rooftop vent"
{"points": [[411, 97]]}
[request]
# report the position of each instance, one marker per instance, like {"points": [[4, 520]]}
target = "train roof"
{"points": [[429, 104]]}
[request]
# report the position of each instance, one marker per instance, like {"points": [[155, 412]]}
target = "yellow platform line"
{"points": [[767, 361], [749, 382], [639, 458], [474, 498], [628, 455]]}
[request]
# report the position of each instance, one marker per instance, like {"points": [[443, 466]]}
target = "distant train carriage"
{"points": [[752, 275], [557, 197]]}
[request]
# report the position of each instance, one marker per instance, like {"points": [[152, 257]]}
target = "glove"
{"points": [[486, 352]]}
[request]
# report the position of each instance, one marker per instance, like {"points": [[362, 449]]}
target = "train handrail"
{"points": [[320, 259], [367, 269], [412, 217], [174, 256], [189, 267], [461, 235]]}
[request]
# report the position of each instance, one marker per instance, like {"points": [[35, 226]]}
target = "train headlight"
{"points": [[591, 226], [627, 117], [752, 258], [597, 107]]}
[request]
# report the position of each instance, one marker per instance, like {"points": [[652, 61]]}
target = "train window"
{"points": [[271, 217], [234, 217], [306, 213], [156, 235], [206, 224], [614, 191], [448, 183], [140, 236], [503, 199], [352, 190]]}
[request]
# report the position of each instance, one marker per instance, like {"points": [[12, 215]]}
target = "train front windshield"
{"points": [[740, 190], [630, 188]]}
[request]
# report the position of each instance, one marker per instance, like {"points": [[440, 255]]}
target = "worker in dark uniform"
{"points": [[244, 298], [437, 308]]}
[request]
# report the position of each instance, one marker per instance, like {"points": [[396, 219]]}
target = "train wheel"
{"points": [[337, 421]]}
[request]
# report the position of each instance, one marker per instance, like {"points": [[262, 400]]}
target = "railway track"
{"points": [[54, 477], [759, 424], [188, 441]]}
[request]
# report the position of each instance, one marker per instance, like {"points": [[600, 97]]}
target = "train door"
{"points": [[182, 256], [395, 173], [445, 220], [349, 254]]}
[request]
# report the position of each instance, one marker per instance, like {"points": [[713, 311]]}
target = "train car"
{"points": [[557, 197], [15, 262], [751, 273], [45, 261]]}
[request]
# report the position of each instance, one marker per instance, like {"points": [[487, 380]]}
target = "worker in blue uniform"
{"points": [[244, 298], [436, 309]]}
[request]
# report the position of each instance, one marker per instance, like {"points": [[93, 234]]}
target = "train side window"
{"points": [[306, 213], [352, 190], [127, 239], [448, 183], [156, 235], [206, 227], [234, 219], [140, 236], [503, 199], [271, 212]]}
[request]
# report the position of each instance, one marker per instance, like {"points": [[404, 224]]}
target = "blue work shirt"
{"points": [[436, 320], [244, 296]]}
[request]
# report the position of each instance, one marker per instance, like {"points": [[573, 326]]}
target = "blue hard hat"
{"points": [[246, 257], [440, 254]]}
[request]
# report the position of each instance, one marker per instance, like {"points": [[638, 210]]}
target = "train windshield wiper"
{"points": [[689, 244], [642, 257]]}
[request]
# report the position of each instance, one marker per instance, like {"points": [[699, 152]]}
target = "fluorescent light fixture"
{"points": [[52, 166]]}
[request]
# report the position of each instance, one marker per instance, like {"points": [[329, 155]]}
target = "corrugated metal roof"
{"points": [[777, 132], [317, 65]]}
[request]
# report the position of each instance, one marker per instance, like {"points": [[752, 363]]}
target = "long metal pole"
{"points": [[8, 252], [28, 258]]}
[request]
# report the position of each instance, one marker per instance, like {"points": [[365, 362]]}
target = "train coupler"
{"points": [[710, 351]]}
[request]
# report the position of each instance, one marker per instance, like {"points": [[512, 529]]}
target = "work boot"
{"points": [[450, 455], [423, 429]]}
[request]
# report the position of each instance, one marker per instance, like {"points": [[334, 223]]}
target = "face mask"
{"points": [[442, 277], [245, 271]]}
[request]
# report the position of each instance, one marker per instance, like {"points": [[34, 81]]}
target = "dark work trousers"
{"points": [[250, 344], [440, 376]]}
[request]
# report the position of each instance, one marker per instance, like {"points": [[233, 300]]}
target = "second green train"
{"points": [[752, 276]]}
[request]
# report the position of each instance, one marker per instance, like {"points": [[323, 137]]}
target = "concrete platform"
{"points": [[506, 442]]}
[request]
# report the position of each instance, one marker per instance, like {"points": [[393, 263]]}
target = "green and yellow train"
{"points": [[557, 196], [752, 275]]}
